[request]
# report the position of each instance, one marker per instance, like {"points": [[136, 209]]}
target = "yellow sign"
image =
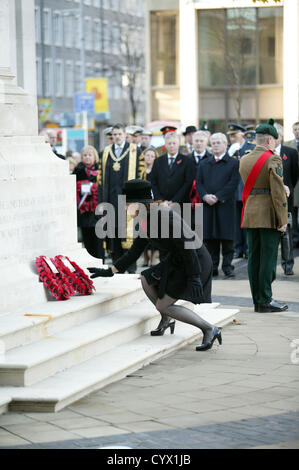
{"points": [[44, 109], [99, 86]]}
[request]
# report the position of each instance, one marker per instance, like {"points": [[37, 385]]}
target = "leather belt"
{"points": [[259, 191]]}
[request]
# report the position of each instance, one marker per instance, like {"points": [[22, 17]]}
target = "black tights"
{"points": [[167, 309]]}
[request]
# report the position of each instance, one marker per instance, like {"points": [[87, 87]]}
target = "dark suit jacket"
{"points": [[195, 163], [172, 184], [58, 154], [221, 179], [290, 170]]}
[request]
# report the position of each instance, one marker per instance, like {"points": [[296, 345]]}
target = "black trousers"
{"points": [[213, 245], [241, 245], [92, 243], [287, 259]]}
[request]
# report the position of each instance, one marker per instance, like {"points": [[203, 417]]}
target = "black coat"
{"points": [[171, 275], [172, 184], [220, 179], [86, 219], [290, 171]]}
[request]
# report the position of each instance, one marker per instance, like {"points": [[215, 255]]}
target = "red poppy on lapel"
{"points": [[179, 162], [285, 157]]}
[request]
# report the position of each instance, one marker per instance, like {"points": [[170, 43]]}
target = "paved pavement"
{"points": [[243, 394]]}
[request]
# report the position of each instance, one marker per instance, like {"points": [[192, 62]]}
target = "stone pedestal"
{"points": [[37, 194]]}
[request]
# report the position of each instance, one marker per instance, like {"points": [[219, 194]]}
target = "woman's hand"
{"points": [[99, 272]]}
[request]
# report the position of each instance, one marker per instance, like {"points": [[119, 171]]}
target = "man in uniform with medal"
{"points": [[120, 162]]}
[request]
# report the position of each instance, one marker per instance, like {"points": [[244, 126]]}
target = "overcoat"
{"points": [[172, 184], [290, 171], [182, 261], [265, 210], [221, 179]]}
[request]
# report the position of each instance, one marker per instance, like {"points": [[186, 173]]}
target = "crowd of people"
{"points": [[204, 168]]}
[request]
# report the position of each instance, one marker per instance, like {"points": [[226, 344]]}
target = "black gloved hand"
{"points": [[195, 287], [98, 272]]}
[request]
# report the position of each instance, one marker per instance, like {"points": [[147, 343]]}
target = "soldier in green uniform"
{"points": [[265, 215]]}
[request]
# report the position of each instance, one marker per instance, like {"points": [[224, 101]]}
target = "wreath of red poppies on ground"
{"points": [[55, 282], [79, 281], [91, 201]]}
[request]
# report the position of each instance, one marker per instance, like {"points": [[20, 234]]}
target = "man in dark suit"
{"points": [[217, 180], [239, 147], [53, 141], [289, 158], [200, 143], [172, 173], [295, 145]]}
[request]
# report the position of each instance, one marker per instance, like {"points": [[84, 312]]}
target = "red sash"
{"points": [[252, 178]]}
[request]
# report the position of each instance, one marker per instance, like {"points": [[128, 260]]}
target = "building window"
{"points": [[47, 26], [116, 39], [39, 76], [59, 85], [57, 28], [68, 31], [97, 37], [69, 79], [37, 25], [106, 37], [88, 33], [77, 29], [164, 48], [240, 49], [48, 78]]}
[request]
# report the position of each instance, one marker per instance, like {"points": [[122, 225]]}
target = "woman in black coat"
{"points": [[87, 200], [186, 271]]}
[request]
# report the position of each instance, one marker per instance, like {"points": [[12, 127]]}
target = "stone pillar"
{"points": [[189, 95], [291, 66], [37, 194]]}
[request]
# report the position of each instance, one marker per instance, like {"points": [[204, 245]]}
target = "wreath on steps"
{"points": [[52, 279], [74, 274]]}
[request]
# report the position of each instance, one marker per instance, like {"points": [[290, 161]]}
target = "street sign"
{"points": [[84, 102]]}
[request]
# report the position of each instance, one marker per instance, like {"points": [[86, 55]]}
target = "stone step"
{"points": [[34, 362], [4, 402], [30, 324], [60, 390]]}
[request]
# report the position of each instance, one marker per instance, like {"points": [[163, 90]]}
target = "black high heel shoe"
{"points": [[208, 344], [162, 327]]}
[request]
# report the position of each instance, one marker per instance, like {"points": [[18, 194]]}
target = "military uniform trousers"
{"points": [[262, 259]]}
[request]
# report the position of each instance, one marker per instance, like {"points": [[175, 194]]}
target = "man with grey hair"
{"points": [[289, 158], [200, 141], [216, 182], [172, 173]]}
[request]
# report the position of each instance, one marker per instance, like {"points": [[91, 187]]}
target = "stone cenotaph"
{"points": [[37, 193]]}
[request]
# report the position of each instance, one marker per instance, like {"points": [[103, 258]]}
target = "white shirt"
{"points": [[220, 158], [171, 156], [277, 149], [116, 147], [199, 156]]}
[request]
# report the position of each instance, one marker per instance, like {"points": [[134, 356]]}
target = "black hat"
{"points": [[189, 130], [234, 128], [167, 129], [267, 129], [138, 191], [250, 136]]}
